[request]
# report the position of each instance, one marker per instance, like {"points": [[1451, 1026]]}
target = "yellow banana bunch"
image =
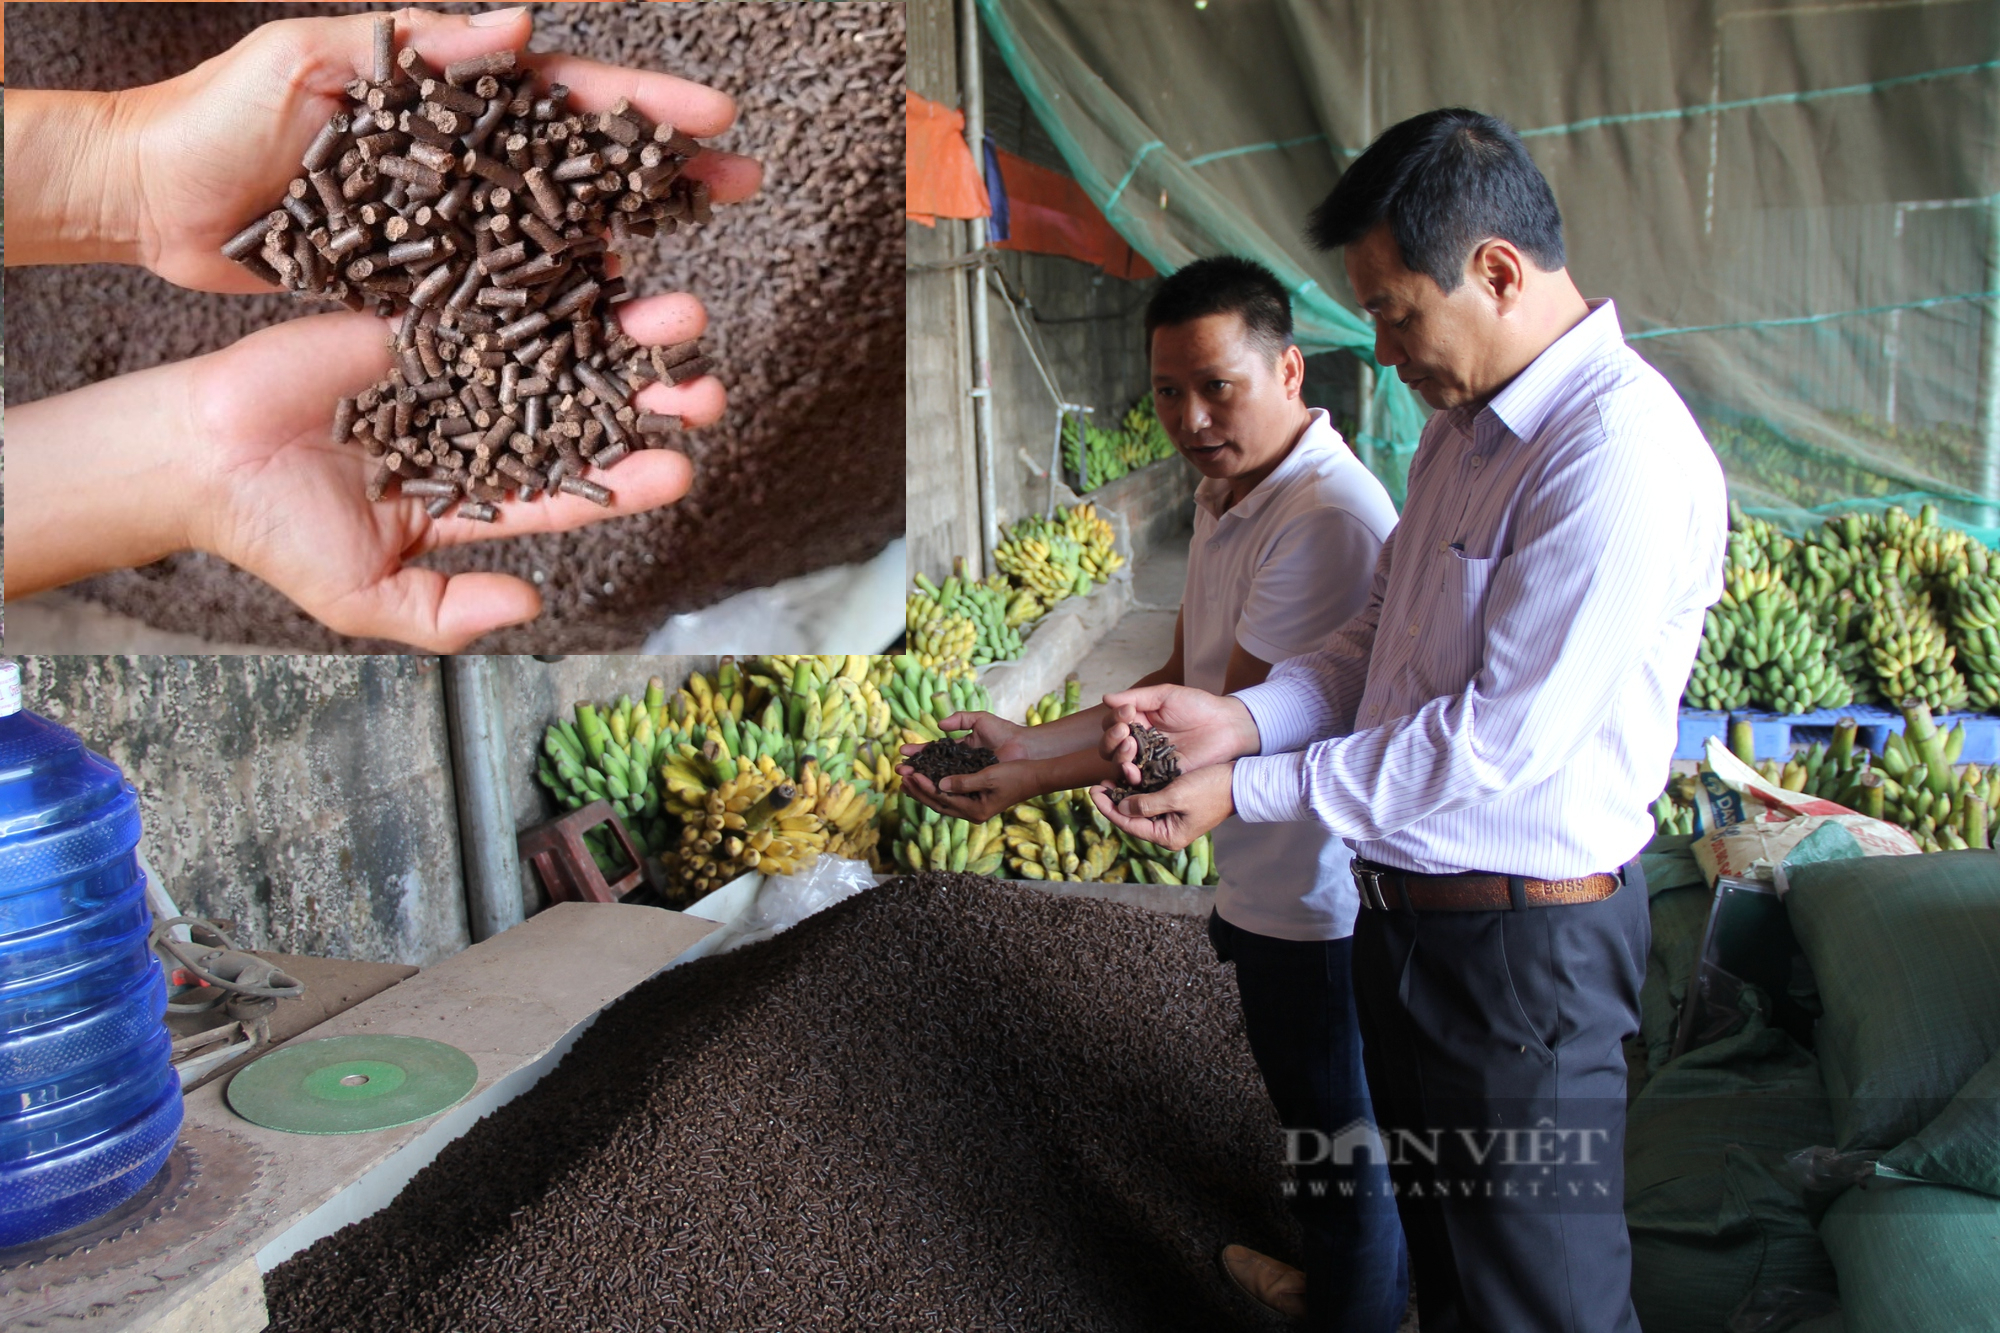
{"points": [[758, 820]]}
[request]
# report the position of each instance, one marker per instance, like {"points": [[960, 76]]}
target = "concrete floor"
{"points": [[1143, 638]]}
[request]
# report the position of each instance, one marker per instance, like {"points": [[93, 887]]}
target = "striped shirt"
{"points": [[1506, 701]]}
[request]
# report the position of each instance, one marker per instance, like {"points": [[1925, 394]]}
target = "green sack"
{"points": [[1713, 1212], [1962, 1146], [1906, 951], [1680, 918], [1915, 1259]]}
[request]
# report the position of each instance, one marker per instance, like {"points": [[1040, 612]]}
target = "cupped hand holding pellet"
{"points": [[973, 796], [188, 160], [1204, 728], [287, 505], [1178, 813]]}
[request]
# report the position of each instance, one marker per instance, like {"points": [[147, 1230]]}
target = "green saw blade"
{"points": [[350, 1085]]}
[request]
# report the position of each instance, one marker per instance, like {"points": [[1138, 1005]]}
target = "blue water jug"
{"points": [[89, 1105]]}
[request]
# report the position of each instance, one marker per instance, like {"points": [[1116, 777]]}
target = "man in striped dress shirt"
{"points": [[1488, 731]]}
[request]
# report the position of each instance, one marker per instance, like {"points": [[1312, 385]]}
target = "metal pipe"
{"points": [[485, 814], [1989, 372], [982, 351]]}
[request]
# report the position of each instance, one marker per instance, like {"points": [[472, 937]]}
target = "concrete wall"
{"points": [[1087, 329], [1086, 323], [309, 799], [942, 512]]}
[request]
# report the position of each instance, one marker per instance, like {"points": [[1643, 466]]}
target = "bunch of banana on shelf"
{"points": [[1094, 533], [1943, 806], [608, 754], [1910, 654], [833, 710], [1045, 561], [763, 819], [962, 621], [919, 698], [1063, 836], [1717, 682], [1772, 645], [928, 840], [1057, 703], [1975, 627]]}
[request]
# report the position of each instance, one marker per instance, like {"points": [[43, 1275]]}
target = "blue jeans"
{"points": [[1299, 1012]]}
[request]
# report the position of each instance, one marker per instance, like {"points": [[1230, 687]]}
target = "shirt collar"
{"points": [[1212, 491], [1528, 399]]}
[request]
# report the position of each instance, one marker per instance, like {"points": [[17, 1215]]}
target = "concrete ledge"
{"points": [[1063, 638], [1157, 503]]}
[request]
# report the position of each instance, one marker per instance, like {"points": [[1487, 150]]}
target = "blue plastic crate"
{"points": [[1982, 736], [1775, 735], [1696, 727]]}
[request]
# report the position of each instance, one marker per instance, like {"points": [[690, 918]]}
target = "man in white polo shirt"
{"points": [[1288, 528]]}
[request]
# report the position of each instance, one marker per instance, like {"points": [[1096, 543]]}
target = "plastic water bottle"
{"points": [[89, 1105]]}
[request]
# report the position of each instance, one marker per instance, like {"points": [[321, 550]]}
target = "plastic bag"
{"points": [[1750, 825], [1823, 1174], [785, 900], [1784, 1309]]}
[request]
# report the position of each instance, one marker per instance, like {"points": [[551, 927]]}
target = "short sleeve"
{"points": [[1316, 578]]}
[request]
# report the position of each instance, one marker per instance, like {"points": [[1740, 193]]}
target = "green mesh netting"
{"points": [[1795, 206]]}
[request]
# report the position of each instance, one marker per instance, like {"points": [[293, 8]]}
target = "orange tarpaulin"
{"points": [[940, 180], [1049, 214]]}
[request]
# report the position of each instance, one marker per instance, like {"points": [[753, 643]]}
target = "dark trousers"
{"points": [[1493, 1049], [1298, 1008]]}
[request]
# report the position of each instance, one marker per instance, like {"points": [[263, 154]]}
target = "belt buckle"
{"points": [[1369, 882]]}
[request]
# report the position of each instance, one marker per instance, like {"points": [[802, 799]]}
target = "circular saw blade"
{"points": [[350, 1085]]}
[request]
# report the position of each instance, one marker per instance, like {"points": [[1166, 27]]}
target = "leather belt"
{"points": [[1386, 888]]}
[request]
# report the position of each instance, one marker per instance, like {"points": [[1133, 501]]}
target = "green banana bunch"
{"points": [[1975, 627], [1716, 687], [1095, 455], [1908, 650], [1849, 613], [1056, 704], [920, 697], [927, 840], [1670, 816], [962, 620], [1063, 836], [1944, 807], [607, 754]]}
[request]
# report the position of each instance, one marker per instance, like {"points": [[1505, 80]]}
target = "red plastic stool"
{"points": [[567, 869]]}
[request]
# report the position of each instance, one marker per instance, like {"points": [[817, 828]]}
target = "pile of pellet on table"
{"points": [[946, 1103], [803, 284]]}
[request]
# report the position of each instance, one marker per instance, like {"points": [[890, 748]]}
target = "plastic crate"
{"points": [[1696, 727], [1777, 735]]}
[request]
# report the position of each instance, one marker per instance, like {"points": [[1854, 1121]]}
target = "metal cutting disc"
{"points": [[350, 1085]]}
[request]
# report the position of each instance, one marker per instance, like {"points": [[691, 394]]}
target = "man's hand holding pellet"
{"points": [[1179, 812], [977, 797], [1205, 728]]}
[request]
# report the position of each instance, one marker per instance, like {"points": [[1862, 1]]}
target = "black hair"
{"points": [[1226, 285], [1444, 181]]}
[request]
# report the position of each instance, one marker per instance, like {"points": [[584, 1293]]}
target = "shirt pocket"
{"points": [[1454, 634]]}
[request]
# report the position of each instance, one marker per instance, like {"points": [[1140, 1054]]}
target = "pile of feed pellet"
{"points": [[803, 284], [946, 1103]]}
